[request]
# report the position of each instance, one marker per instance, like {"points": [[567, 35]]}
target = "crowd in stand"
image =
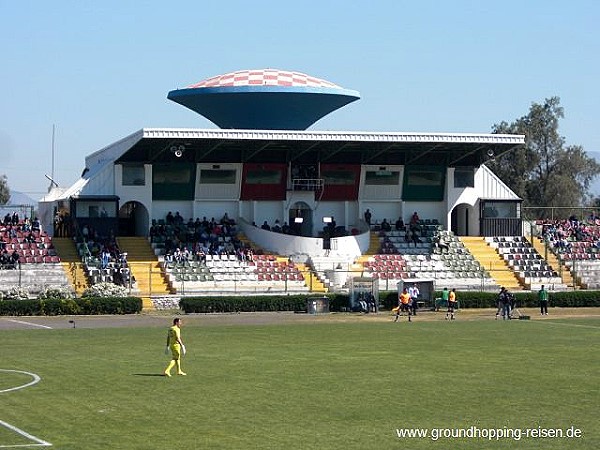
{"points": [[14, 234], [195, 239], [413, 230], [562, 233], [330, 230], [102, 253]]}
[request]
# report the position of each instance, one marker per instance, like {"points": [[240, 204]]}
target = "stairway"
{"points": [[71, 264], [311, 279], [491, 261], [552, 260], [143, 263], [374, 244]]}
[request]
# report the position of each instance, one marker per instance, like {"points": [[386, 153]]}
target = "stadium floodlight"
{"points": [[327, 219], [178, 150]]}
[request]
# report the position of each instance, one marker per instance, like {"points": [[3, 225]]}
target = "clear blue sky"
{"points": [[101, 70]]}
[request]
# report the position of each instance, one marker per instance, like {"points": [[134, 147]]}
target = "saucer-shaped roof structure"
{"points": [[266, 99]]}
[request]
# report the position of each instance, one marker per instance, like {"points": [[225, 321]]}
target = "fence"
{"points": [[150, 280], [559, 212]]}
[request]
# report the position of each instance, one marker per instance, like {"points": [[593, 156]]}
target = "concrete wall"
{"points": [[285, 244]]}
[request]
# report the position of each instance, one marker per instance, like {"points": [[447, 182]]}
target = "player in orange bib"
{"points": [[451, 304], [403, 304]]}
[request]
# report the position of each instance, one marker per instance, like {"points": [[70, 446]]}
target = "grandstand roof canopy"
{"points": [[307, 147]]}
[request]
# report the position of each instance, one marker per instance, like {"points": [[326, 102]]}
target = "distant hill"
{"points": [[19, 198]]}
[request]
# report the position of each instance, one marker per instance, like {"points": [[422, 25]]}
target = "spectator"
{"points": [[415, 237], [4, 260], [265, 226], [400, 224], [368, 217], [178, 220], [414, 220], [105, 258], [35, 225]]}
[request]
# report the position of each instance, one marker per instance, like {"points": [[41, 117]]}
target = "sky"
{"points": [[100, 71]]}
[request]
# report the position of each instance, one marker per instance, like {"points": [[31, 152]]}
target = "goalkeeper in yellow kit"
{"points": [[175, 344]]}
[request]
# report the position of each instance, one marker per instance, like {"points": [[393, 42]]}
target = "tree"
{"points": [[546, 172], [4, 190]]}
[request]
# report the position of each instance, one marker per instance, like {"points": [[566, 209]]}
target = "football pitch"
{"points": [[322, 384]]}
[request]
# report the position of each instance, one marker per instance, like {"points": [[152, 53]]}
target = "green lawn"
{"points": [[304, 386]]}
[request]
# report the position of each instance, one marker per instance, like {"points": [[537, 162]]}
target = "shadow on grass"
{"points": [[148, 375]]}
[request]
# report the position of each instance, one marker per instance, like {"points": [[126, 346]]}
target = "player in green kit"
{"points": [[175, 344], [445, 296]]}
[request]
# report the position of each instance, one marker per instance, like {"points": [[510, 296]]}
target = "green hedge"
{"points": [[387, 299], [470, 299], [256, 303], [57, 307]]}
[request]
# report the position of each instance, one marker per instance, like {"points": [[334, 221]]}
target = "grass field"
{"points": [[324, 385]]}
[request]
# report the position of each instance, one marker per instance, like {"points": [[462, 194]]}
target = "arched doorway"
{"points": [[301, 219], [133, 219], [464, 221]]}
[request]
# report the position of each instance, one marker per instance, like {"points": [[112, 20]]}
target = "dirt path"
{"points": [[163, 318]]}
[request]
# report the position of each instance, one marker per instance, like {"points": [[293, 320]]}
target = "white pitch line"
{"points": [[38, 442], [36, 379], [551, 322], [31, 324]]}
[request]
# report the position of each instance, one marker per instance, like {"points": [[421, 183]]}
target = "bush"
{"points": [[57, 292], [105, 290], [243, 304], [58, 307], [110, 305], [71, 306], [564, 299], [19, 307], [15, 293]]}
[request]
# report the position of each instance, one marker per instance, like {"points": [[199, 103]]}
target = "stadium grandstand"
{"points": [[264, 205]]}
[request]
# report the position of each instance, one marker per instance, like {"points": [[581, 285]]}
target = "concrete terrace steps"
{"points": [[71, 264], [35, 277], [374, 243], [311, 279], [143, 263], [491, 261]]}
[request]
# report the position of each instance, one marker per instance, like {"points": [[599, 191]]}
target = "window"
{"points": [[423, 183], [338, 177], [173, 181], [464, 177], [494, 210], [134, 175], [382, 177], [208, 176], [263, 176], [425, 178]]}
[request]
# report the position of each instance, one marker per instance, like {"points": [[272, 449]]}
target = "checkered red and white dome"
{"points": [[264, 77]]}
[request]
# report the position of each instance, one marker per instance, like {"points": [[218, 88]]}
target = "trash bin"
{"points": [[317, 305]]}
